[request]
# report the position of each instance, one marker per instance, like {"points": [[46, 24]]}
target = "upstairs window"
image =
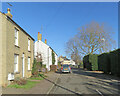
{"points": [[28, 44], [16, 37]]}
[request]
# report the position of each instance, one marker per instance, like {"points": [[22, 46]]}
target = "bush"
{"points": [[37, 66], [20, 81]]}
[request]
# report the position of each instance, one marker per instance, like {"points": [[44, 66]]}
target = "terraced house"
{"points": [[17, 50]]}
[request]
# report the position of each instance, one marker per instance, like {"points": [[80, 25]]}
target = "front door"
{"points": [[23, 65]]}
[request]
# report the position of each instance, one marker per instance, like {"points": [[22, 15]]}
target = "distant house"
{"points": [[65, 60], [41, 48], [16, 52]]}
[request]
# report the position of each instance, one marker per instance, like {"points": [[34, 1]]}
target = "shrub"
{"points": [[37, 66], [53, 57], [20, 81]]}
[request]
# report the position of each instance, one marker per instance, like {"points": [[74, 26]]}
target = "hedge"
{"points": [[90, 62], [104, 63], [86, 62], [115, 62]]}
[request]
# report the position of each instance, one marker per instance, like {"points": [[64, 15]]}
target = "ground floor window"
{"points": [[16, 62]]}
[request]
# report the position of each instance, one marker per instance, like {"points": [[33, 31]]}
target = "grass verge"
{"points": [[28, 85]]}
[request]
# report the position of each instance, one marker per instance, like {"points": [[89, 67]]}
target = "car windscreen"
{"points": [[65, 66]]}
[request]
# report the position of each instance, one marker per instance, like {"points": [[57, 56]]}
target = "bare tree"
{"points": [[91, 38]]}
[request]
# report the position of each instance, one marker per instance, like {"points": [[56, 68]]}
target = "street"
{"points": [[86, 82]]}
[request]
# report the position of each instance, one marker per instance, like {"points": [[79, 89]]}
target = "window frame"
{"points": [[28, 44], [16, 36], [16, 63]]}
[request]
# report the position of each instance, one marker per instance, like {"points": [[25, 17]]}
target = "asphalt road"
{"points": [[86, 82]]}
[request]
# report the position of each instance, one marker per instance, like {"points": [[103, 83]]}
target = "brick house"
{"points": [[16, 56]]}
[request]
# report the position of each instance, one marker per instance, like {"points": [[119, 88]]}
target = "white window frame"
{"points": [[28, 44], [16, 36], [16, 62], [29, 63]]}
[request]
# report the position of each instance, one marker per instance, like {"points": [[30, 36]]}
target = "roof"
{"points": [[18, 26], [53, 50]]}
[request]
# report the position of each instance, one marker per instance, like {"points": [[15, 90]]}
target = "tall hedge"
{"points": [[93, 59], [90, 62], [104, 63], [86, 63], [115, 62]]}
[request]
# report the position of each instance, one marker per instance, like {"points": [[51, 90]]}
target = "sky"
{"points": [[60, 20]]}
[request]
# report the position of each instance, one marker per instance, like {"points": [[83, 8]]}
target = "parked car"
{"points": [[66, 68]]}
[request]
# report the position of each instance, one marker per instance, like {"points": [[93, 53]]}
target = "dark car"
{"points": [[66, 68]]}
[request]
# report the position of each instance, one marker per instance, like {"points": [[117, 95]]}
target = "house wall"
{"points": [[56, 59], [3, 49], [45, 51], [10, 49], [0, 49]]}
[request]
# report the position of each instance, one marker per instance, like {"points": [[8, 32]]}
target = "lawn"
{"points": [[28, 85], [36, 78]]}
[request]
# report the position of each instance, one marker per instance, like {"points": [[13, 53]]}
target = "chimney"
{"points": [[9, 14], [39, 36], [45, 41]]}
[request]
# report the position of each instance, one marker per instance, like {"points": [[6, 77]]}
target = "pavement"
{"points": [[40, 88]]}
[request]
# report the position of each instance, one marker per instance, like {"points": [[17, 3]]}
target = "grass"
{"points": [[36, 78], [28, 85]]}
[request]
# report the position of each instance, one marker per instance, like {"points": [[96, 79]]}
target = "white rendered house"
{"points": [[45, 51]]}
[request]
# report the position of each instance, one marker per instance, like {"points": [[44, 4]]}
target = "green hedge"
{"points": [[115, 62], [86, 62], [90, 62], [104, 63]]}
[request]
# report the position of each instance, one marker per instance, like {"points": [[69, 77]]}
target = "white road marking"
{"points": [[53, 85], [99, 92]]}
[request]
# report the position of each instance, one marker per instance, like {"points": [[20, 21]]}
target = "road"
{"points": [[86, 82]]}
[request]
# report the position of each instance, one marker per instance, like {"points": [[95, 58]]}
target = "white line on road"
{"points": [[99, 92], [53, 85]]}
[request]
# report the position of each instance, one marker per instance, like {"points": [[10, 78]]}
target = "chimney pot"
{"points": [[39, 36], [45, 41], [9, 14]]}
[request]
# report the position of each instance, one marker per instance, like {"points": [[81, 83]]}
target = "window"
{"points": [[15, 63], [28, 44], [16, 37], [28, 63]]}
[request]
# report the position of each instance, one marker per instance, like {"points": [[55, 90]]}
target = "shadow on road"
{"points": [[104, 81], [62, 87]]}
